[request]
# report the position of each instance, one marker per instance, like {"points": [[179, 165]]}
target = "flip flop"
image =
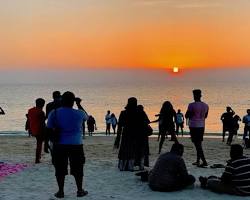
{"points": [[82, 193], [214, 166]]}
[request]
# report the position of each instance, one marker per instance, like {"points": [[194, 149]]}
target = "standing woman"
{"points": [[113, 122], [167, 118], [127, 130]]}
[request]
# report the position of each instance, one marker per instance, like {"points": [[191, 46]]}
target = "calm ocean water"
{"points": [[108, 90]]}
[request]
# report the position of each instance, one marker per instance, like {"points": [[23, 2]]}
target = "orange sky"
{"points": [[124, 33]]}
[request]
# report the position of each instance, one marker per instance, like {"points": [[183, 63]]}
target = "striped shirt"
{"points": [[238, 173]]}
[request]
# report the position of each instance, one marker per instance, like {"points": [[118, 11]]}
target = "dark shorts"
{"points": [[180, 125], [197, 134], [73, 154], [108, 126]]}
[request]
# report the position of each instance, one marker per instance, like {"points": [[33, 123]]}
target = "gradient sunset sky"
{"points": [[124, 33]]}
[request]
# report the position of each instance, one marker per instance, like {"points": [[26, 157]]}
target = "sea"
{"points": [[109, 89]]}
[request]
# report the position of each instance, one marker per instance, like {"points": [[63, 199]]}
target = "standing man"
{"points": [[69, 147], [196, 114], [227, 121], [56, 103], [108, 122], [36, 118]]}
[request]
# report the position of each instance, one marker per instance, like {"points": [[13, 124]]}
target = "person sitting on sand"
{"points": [[36, 118], [69, 146], [236, 178], [170, 172]]}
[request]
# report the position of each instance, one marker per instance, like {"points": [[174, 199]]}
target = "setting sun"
{"points": [[175, 69]]}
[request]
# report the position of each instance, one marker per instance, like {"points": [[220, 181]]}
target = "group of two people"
{"points": [[170, 173], [110, 120], [64, 128], [230, 123]]}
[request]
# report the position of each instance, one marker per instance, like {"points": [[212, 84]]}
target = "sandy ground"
{"points": [[102, 178]]}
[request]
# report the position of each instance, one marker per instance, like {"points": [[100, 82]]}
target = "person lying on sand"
{"points": [[236, 178]]}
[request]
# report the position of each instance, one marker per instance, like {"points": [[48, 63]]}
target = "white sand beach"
{"points": [[102, 178]]}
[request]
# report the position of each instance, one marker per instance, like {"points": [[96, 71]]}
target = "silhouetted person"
{"points": [[36, 118], [246, 121], [69, 147], [179, 122], [55, 104], [2, 111], [170, 172], [166, 120], [113, 122], [235, 127], [91, 124], [227, 120], [236, 178], [108, 122], [78, 104], [196, 114], [27, 125], [142, 158], [131, 126]]}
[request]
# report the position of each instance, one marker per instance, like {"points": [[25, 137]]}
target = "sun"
{"points": [[175, 69]]}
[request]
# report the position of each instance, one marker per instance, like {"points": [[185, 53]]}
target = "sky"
{"points": [[66, 34]]}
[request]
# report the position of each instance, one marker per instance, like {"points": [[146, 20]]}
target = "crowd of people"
{"points": [[62, 128]]}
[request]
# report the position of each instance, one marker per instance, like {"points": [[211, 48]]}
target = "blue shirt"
{"points": [[69, 122]]}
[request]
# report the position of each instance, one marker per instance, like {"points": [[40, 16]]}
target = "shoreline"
{"points": [[99, 134]]}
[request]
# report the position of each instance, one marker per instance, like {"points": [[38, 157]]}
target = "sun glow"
{"points": [[175, 69]]}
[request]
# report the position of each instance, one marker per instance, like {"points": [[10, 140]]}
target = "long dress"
{"points": [[130, 125]]}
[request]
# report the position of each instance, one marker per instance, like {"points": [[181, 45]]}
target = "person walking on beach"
{"points": [[36, 118], [246, 121], [2, 111], [227, 120], [170, 172], [179, 122], [236, 178], [196, 113], [91, 124], [113, 122], [108, 122], [166, 120], [69, 146]]}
